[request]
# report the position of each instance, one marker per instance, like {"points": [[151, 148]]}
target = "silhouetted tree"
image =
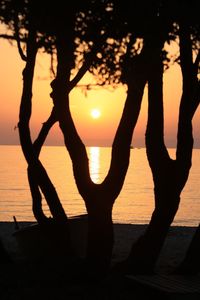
{"points": [[103, 50], [30, 26], [169, 176], [22, 18], [98, 199], [19, 17]]}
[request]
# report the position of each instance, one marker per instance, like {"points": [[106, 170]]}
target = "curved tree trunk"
{"points": [[169, 176], [38, 143], [99, 198], [33, 180], [25, 138], [191, 90], [38, 177]]}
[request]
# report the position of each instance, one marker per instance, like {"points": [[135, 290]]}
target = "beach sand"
{"points": [[172, 253], [37, 281]]}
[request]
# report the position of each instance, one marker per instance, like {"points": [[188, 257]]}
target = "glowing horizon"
{"points": [[108, 102]]}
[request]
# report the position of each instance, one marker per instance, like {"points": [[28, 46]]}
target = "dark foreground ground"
{"points": [[64, 280]]}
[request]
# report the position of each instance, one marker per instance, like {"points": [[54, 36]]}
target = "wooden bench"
{"points": [[172, 286]]}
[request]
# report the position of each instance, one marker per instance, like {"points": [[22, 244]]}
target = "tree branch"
{"points": [[21, 53], [83, 69], [7, 37], [38, 143]]}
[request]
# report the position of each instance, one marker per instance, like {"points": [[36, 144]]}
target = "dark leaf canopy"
{"points": [[113, 29]]}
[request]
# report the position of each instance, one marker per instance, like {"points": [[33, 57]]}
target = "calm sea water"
{"points": [[134, 204]]}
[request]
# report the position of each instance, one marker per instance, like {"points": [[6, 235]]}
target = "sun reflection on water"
{"points": [[133, 206], [94, 156]]}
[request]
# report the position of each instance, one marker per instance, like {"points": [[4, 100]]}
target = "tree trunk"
{"points": [[169, 176], [100, 237], [25, 138], [99, 198], [32, 178], [38, 177]]}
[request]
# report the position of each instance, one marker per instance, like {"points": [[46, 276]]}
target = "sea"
{"points": [[134, 205]]}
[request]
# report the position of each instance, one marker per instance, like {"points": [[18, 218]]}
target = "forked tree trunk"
{"points": [[38, 143], [169, 176], [38, 177], [99, 198]]}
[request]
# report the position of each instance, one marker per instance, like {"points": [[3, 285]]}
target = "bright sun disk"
{"points": [[95, 113]]}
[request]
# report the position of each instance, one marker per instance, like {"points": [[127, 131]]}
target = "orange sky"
{"points": [[100, 131]]}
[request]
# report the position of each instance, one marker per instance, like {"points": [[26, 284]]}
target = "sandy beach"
{"points": [[173, 251], [49, 283]]}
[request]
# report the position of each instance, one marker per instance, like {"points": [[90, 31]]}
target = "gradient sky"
{"points": [[97, 132]]}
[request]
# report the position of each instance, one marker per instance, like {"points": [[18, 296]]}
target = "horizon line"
{"points": [[100, 146]]}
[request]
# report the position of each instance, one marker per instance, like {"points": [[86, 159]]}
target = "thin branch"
{"points": [[21, 53], [8, 37], [12, 38], [87, 63], [82, 70], [44, 132]]}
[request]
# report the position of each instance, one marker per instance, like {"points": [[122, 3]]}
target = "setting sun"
{"points": [[95, 113]]}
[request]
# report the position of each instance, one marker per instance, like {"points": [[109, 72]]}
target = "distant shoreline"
{"points": [[104, 146]]}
